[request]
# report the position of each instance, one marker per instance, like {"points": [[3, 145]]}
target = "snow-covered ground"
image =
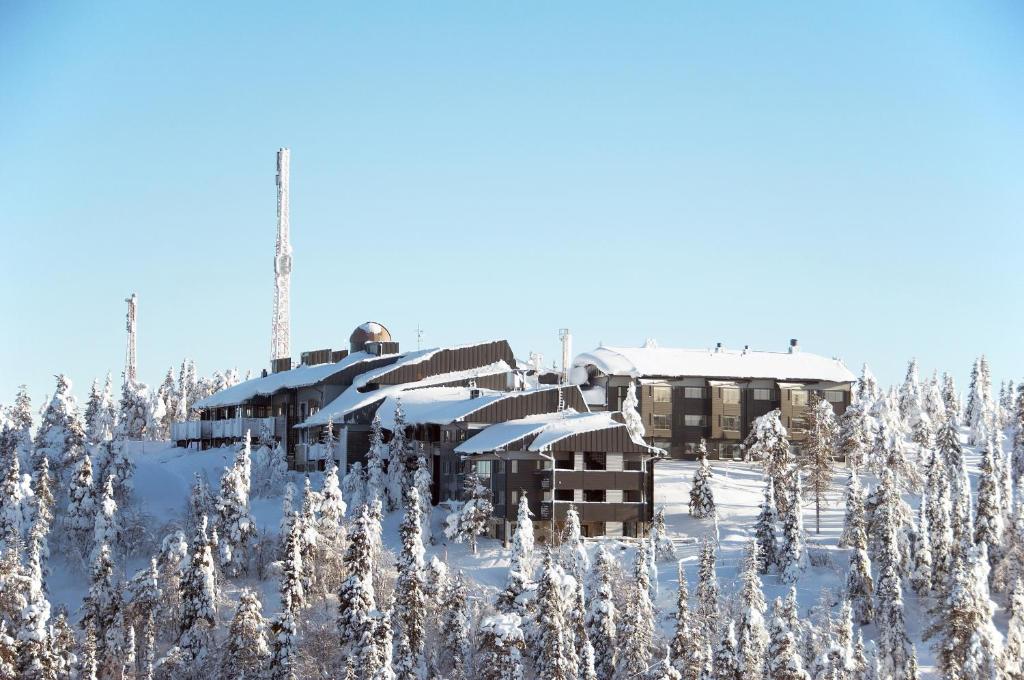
{"points": [[164, 476]]}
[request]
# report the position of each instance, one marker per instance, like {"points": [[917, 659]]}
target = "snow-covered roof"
{"points": [[301, 376], [723, 363], [547, 429], [441, 405], [352, 399]]}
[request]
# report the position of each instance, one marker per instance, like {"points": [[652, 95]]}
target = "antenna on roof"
{"points": [[419, 336], [132, 326], [566, 337]]}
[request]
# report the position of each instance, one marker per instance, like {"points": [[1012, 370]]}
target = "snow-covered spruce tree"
{"points": [[464, 525], [686, 648], [61, 433], [407, 665], [331, 520], [35, 658], [454, 647], [867, 386], [15, 513], [889, 453], [1017, 454], [707, 593], [167, 394], [602, 614], [102, 604], [62, 645], [134, 411], [19, 426], [235, 527], [967, 644], [353, 486], [198, 594], [410, 596], [894, 645], [502, 646], [292, 586], [921, 573], [1013, 650], [554, 643], [422, 481], [973, 410], [87, 664], [988, 515], [105, 530], [702, 500], [940, 530], [284, 633], [664, 548], [631, 413], [783, 660], [246, 651], [1011, 568], [889, 513], [753, 635], [284, 628], [665, 670], [910, 393], [399, 452], [852, 436], [792, 556], [376, 464], [520, 568], [727, 663], [818, 463], [769, 443], [310, 535], [764, 529], [356, 599], [637, 634], [854, 518]]}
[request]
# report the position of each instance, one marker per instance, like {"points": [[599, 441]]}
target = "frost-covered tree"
{"points": [[792, 556], [357, 598], [707, 592], [601, 617], [854, 518], [764, 529], [376, 464], [269, 468], [665, 549], [470, 520], [910, 393], [686, 649], [727, 663], [36, 660], [61, 433], [135, 411], [87, 664], [988, 514], [889, 525], [554, 642], [631, 413], [246, 650], [198, 592], [331, 519], [105, 529], [702, 500], [293, 571], [16, 434], [637, 633], [167, 394], [1017, 454], [520, 568], [768, 442], [853, 434], [422, 481], [284, 633], [102, 604], [967, 644], [502, 646], [399, 455], [1013, 650], [921, 573], [353, 486], [454, 645], [750, 621], [15, 509], [79, 517], [783, 660], [889, 453], [868, 390], [410, 595], [894, 645], [235, 527], [818, 463]]}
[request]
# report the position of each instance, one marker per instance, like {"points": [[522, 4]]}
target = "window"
{"points": [[564, 495], [632, 465], [499, 497], [661, 422], [730, 422], [483, 468], [693, 392], [564, 463], [730, 395], [513, 466], [499, 467], [594, 461], [693, 420], [631, 496], [593, 496], [797, 424], [762, 394], [661, 393], [835, 396], [798, 397]]}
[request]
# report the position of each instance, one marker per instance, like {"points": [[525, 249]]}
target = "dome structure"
{"points": [[371, 331]]}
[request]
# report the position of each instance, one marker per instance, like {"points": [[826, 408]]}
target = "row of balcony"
{"points": [[596, 512], [591, 480], [234, 428]]}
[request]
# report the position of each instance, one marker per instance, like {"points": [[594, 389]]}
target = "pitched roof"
{"points": [[546, 429], [669, 362], [443, 405]]}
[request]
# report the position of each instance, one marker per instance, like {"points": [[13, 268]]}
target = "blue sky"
{"points": [[850, 175]]}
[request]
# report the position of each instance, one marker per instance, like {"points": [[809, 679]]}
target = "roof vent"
{"points": [[718, 347], [794, 346], [746, 348], [474, 393]]}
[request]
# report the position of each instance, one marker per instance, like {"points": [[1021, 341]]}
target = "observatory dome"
{"points": [[371, 331]]}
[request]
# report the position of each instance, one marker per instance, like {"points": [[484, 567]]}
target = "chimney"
{"points": [[794, 346], [746, 348], [718, 347]]}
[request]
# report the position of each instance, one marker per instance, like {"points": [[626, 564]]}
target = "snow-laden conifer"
{"points": [[707, 593], [665, 549], [727, 663], [1013, 650], [783, 660], [768, 442], [353, 487], [637, 634], [422, 481], [988, 514], [921, 572], [852, 436], [399, 451], [357, 599], [764, 528], [818, 461], [520, 568], [686, 649], [198, 592], [376, 464], [470, 520], [702, 499], [602, 614], [631, 413], [792, 555], [455, 623], [854, 517], [410, 598], [502, 646], [246, 650], [750, 622], [553, 654], [61, 433]]}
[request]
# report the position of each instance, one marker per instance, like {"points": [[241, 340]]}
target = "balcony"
{"points": [[234, 428], [597, 512], [597, 480]]}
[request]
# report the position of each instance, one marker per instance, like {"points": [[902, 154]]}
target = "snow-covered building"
{"points": [[686, 395]]}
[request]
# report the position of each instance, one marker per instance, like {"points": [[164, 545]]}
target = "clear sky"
{"points": [[849, 174]]}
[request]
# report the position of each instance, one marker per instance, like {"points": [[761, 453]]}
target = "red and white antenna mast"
{"points": [[281, 334], [131, 325]]}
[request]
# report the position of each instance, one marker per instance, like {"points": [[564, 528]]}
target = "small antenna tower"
{"points": [[566, 337], [281, 333], [132, 326], [419, 336]]}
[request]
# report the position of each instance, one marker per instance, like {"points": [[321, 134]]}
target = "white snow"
{"points": [[300, 376], [547, 429], [725, 363], [441, 405]]}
